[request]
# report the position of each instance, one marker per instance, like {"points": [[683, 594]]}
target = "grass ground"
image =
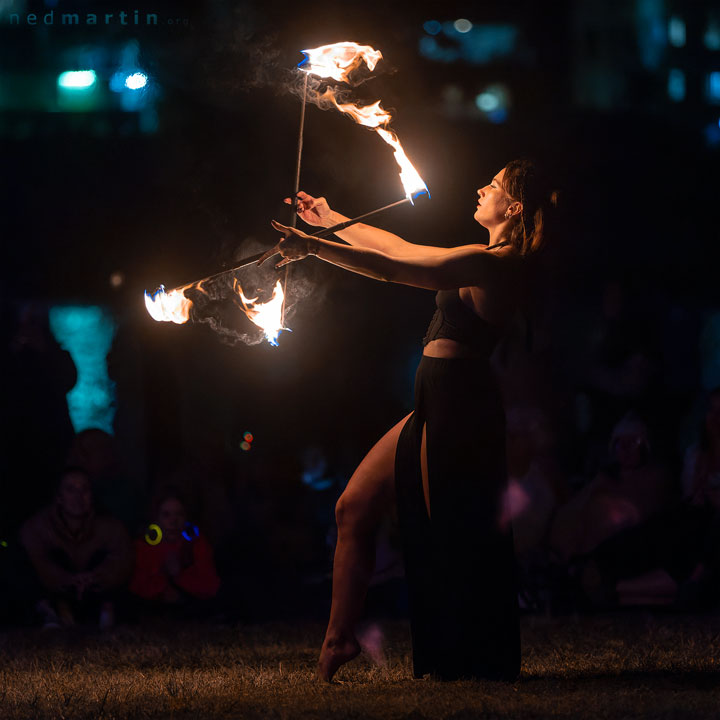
{"points": [[621, 666]]}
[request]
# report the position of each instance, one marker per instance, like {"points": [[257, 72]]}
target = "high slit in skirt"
{"points": [[460, 562]]}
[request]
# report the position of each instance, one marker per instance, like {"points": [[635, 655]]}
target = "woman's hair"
{"points": [[525, 183]]}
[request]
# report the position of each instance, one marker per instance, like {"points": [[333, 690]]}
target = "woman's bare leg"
{"points": [[369, 494]]}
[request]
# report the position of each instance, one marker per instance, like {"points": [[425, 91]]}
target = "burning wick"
{"points": [[173, 306], [170, 306], [267, 316]]}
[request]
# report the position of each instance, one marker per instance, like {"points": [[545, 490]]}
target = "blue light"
{"points": [[676, 85], [136, 81], [498, 116], [87, 334], [462, 25], [712, 35], [713, 88], [651, 32], [77, 79], [493, 102], [430, 48], [487, 102], [190, 532], [676, 31], [432, 27], [712, 134]]}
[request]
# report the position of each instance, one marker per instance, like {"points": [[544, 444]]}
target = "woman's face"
{"points": [[493, 202], [171, 518]]}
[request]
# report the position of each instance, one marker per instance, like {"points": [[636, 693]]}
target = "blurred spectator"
{"points": [[627, 493], [618, 369], [534, 487], [701, 469], [676, 552], [36, 427], [174, 562], [81, 560], [95, 451]]}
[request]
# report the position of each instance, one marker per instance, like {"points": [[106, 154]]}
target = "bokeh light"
{"points": [[462, 25], [77, 79], [248, 436], [432, 27], [190, 532], [136, 81]]}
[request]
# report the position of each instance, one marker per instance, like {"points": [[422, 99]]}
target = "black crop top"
{"points": [[454, 320]]}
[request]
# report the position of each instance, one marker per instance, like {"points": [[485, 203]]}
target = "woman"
{"points": [[444, 464], [175, 565]]}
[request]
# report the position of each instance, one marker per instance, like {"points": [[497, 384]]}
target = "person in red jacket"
{"points": [[174, 561]]}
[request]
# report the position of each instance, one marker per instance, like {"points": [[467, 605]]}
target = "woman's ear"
{"points": [[515, 208]]}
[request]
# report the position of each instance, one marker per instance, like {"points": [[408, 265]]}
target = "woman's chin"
{"points": [[478, 218]]}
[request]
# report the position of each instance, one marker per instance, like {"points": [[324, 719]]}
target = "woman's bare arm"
{"points": [[468, 265], [317, 212], [368, 236]]}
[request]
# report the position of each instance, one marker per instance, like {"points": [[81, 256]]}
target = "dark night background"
{"points": [[182, 187]]}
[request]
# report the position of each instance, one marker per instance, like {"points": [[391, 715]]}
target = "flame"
{"points": [[168, 307], [409, 176], [373, 116], [267, 316], [338, 60]]}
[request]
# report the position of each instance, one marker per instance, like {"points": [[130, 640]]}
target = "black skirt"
{"points": [[460, 563]]}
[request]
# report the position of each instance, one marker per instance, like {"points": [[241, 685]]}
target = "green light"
{"points": [[77, 79]]}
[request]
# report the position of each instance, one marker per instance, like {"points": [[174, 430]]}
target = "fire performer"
{"points": [[444, 464]]}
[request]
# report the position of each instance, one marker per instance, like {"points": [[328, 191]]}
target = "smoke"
{"points": [[216, 302]]}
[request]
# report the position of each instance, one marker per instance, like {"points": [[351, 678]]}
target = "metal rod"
{"points": [[325, 232], [341, 226], [293, 219]]}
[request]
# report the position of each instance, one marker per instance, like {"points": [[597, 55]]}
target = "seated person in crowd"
{"points": [[534, 483], [82, 560], [674, 555], [631, 490], [701, 469], [174, 562]]}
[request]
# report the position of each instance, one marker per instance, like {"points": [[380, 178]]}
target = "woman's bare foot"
{"points": [[336, 652]]}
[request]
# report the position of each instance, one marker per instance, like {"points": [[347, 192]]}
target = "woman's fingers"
{"points": [[288, 231], [268, 255], [281, 228]]}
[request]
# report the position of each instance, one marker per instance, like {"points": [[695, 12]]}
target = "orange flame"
{"points": [[267, 316], [338, 60], [172, 306], [373, 116]]}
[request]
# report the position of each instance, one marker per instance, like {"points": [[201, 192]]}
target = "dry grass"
{"points": [[623, 666]]}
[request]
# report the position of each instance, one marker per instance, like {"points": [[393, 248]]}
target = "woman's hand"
{"points": [[314, 211], [296, 245]]}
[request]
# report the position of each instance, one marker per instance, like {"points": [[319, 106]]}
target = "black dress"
{"points": [[460, 563]]}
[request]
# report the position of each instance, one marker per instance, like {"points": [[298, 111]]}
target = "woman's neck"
{"points": [[497, 234]]}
